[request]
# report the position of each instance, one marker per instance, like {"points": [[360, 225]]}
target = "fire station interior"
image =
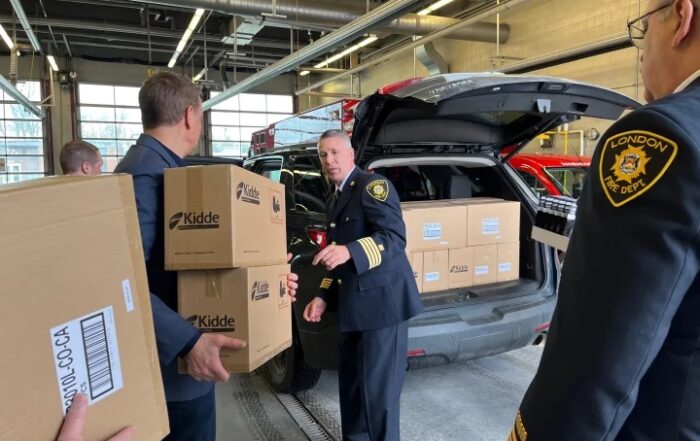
{"points": [[485, 228]]}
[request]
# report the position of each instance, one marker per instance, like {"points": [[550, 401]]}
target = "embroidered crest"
{"points": [[378, 189], [632, 162]]}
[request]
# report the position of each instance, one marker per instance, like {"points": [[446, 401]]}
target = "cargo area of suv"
{"points": [[441, 138]]}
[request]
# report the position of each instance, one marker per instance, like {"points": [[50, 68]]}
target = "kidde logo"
{"points": [[261, 290], [213, 323], [459, 268], [248, 193], [276, 207], [194, 221]]}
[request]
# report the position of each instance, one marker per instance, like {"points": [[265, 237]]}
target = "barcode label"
{"points": [[490, 225], [86, 357], [432, 231], [481, 270], [432, 277], [505, 267]]}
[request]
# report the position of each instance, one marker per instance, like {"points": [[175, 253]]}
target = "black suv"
{"points": [[438, 138]]}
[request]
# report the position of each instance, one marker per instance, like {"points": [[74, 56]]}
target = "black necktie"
{"points": [[334, 200]]}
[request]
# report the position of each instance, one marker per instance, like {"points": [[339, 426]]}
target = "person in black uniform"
{"points": [[622, 360], [373, 285]]}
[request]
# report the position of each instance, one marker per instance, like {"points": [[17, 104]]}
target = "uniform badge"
{"points": [[632, 162], [378, 189]]}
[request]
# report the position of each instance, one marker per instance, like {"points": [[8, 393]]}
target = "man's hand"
{"points": [[292, 285], [314, 310], [204, 361], [74, 423], [332, 256]]}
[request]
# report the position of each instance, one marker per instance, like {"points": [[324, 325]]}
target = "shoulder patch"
{"points": [[378, 189], [632, 162]]}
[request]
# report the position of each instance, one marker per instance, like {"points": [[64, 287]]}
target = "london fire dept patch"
{"points": [[378, 189], [632, 162]]}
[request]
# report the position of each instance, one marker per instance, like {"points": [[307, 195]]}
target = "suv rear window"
{"points": [[310, 187]]}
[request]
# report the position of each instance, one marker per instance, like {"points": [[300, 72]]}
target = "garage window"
{"points": [[233, 122], [22, 146], [109, 117]]}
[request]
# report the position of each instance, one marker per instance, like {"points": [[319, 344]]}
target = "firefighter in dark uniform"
{"points": [[373, 286], [622, 360]]}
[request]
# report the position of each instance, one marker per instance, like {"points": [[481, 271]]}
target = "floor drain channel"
{"points": [[301, 415]]}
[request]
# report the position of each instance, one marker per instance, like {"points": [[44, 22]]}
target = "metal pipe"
{"points": [[320, 13], [17, 5], [504, 5], [608, 45], [65, 41], [342, 35], [19, 97]]}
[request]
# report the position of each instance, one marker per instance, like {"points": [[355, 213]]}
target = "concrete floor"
{"points": [[472, 400]]}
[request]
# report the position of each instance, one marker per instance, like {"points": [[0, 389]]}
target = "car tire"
{"points": [[288, 372]]}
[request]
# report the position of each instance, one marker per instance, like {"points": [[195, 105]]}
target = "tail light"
{"points": [[416, 352], [542, 327], [318, 236]]}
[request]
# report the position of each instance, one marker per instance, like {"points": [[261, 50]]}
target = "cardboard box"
{"points": [[246, 303], [508, 261], [434, 226], [416, 261], [461, 262], [492, 222], [435, 271], [77, 312], [223, 216], [485, 264]]}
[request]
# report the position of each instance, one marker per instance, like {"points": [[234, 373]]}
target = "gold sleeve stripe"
{"points": [[326, 283], [370, 257], [374, 256], [513, 436], [520, 427]]}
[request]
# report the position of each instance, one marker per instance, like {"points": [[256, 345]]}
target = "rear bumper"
{"points": [[473, 331]]}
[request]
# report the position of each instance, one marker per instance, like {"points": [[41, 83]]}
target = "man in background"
{"points": [[80, 158]]}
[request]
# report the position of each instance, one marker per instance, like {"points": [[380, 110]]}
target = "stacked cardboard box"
{"points": [[226, 233], [464, 242], [77, 311]]}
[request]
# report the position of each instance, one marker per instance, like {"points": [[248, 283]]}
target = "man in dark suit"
{"points": [[373, 285], [171, 113], [622, 359]]}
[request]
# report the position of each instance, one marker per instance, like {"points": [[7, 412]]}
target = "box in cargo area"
{"points": [[491, 222], [461, 272], [435, 271], [416, 261], [247, 303], [508, 261], [77, 313], [485, 264], [435, 225], [222, 216]]}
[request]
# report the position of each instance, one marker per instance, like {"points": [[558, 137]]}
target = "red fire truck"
{"points": [[306, 126]]}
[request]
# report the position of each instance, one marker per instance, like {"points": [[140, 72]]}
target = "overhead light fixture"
{"points": [[52, 62], [303, 73], [369, 40], [434, 7], [200, 74], [17, 5], [186, 36], [6, 38]]}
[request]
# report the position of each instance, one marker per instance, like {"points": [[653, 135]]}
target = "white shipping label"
{"points": [[128, 296], [432, 277], [86, 356], [432, 231], [490, 225], [481, 270], [505, 267]]}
